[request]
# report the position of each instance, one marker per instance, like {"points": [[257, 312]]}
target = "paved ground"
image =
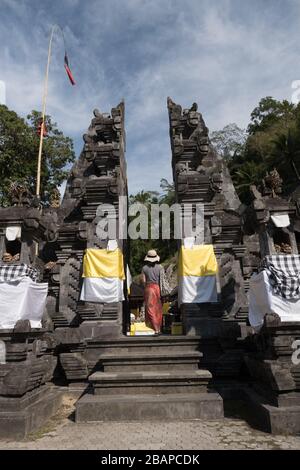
{"points": [[62, 433]]}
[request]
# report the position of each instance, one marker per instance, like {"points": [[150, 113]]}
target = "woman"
{"points": [[153, 305]]}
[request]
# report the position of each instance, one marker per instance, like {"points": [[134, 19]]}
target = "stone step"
{"points": [[165, 360], [140, 344], [150, 407], [160, 382], [21, 415]]}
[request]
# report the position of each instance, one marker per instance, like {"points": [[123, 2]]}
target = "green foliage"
{"points": [[168, 196], [144, 197], [273, 141], [19, 144], [270, 112], [286, 156], [245, 175], [165, 248]]}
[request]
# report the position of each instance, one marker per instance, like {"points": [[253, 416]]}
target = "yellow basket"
{"points": [[140, 329], [176, 328], [132, 329]]}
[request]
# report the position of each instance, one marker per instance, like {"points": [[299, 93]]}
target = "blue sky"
{"points": [[224, 54]]}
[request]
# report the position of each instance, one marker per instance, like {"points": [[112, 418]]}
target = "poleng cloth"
{"points": [[284, 275], [16, 272]]}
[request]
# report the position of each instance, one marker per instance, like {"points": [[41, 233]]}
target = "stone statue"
{"points": [[19, 194], [55, 198]]}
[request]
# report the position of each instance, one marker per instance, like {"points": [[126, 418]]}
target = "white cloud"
{"points": [[225, 55]]}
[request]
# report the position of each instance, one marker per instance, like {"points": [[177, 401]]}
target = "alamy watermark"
{"points": [[2, 92], [296, 353], [2, 352], [295, 85], [157, 221]]}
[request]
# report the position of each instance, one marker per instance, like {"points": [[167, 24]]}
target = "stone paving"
{"points": [[61, 432]]}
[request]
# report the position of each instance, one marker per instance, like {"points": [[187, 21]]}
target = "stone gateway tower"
{"points": [[201, 177]]}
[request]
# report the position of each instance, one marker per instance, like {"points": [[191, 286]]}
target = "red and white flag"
{"points": [[68, 70]]}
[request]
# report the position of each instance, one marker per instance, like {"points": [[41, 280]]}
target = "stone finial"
{"points": [[175, 110], [272, 182], [170, 102], [194, 107], [97, 113]]}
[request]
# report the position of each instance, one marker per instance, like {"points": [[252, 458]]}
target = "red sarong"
{"points": [[153, 307]]}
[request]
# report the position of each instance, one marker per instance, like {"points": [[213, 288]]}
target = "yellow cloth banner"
{"points": [[103, 263], [166, 306], [197, 261]]}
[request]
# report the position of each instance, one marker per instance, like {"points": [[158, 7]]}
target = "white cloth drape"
{"points": [[262, 300], [281, 220], [22, 300], [102, 289], [194, 289], [13, 232]]}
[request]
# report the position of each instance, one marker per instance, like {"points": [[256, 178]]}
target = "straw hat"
{"points": [[152, 256]]}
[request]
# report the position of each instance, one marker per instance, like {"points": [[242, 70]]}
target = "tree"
{"points": [[166, 186], [270, 112], [143, 197], [245, 175], [273, 142], [167, 248], [229, 141], [286, 156], [168, 196], [139, 247], [19, 144]]}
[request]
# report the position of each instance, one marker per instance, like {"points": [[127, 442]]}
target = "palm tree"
{"points": [[168, 196], [245, 175], [143, 197], [287, 151]]}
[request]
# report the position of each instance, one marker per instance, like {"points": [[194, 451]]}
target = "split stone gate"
{"points": [[84, 345]]}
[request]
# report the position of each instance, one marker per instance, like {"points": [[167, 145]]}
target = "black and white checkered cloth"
{"points": [[284, 275], [16, 272]]}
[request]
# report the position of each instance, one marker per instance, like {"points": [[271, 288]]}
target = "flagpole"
{"points": [[45, 93], [39, 164]]}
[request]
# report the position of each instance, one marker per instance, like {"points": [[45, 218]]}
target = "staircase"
{"points": [[153, 378]]}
